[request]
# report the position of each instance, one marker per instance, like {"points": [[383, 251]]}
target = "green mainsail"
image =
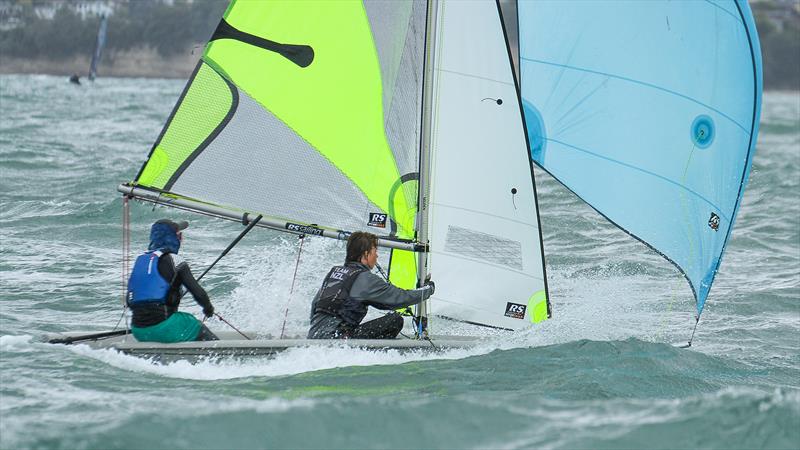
{"points": [[304, 112]]}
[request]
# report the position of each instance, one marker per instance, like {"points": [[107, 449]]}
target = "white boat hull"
{"points": [[235, 345]]}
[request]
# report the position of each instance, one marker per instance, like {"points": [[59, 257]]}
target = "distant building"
{"points": [[84, 8], [93, 8], [11, 11]]}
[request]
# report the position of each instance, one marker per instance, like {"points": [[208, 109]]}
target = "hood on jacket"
{"points": [[164, 235]]}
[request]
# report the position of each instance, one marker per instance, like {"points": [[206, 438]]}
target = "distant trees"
{"points": [[170, 29], [174, 28], [780, 48], [167, 28], [64, 35]]}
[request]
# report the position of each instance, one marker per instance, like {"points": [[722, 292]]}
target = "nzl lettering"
{"points": [[338, 275]]}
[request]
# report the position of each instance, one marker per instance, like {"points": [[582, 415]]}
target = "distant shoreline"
{"points": [[141, 63], [133, 64]]}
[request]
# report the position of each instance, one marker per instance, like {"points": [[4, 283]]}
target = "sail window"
{"points": [[483, 246]]}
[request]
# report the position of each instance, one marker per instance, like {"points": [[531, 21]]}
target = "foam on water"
{"points": [[11, 343], [290, 362]]}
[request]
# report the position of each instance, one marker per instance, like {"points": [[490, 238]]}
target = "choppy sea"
{"points": [[603, 373]]}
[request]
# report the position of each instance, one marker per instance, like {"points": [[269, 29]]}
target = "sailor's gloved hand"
{"points": [[432, 285], [208, 311], [424, 283]]}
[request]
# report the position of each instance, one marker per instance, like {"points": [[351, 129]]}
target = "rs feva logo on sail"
{"points": [[537, 305]]}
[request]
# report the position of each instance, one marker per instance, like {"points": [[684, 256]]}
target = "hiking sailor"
{"points": [[341, 303], [154, 290]]}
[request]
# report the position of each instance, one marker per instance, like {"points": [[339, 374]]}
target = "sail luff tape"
{"points": [[279, 225]]}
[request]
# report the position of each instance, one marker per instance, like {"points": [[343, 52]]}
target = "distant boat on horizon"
{"points": [[100, 43]]}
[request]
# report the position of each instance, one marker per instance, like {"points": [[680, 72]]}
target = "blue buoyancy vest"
{"points": [[146, 285], [334, 298]]}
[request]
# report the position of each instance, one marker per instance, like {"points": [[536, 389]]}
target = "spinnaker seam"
{"points": [[643, 83], [710, 203]]}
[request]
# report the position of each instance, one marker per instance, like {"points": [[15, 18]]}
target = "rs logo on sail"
{"points": [[713, 222], [515, 310], [377, 220]]}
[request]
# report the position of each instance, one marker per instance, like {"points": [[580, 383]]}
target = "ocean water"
{"points": [[603, 373]]}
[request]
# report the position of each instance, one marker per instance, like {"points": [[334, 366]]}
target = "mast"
{"points": [[425, 153]]}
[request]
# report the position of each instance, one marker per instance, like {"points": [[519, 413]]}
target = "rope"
{"points": [[689, 236], [424, 339], [673, 298], [126, 247], [230, 325], [120, 320], [380, 270], [291, 290], [689, 344], [126, 256], [430, 341]]}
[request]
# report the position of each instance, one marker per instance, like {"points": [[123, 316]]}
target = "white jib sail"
{"points": [[486, 254]]}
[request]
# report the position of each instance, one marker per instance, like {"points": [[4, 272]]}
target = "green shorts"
{"points": [[179, 327]]}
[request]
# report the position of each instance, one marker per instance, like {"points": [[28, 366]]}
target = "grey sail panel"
{"points": [[303, 185], [398, 29]]}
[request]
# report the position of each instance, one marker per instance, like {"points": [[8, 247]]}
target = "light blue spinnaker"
{"points": [[649, 112]]}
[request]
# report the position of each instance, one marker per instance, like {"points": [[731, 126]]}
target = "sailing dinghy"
{"points": [[99, 45], [409, 122], [398, 118]]}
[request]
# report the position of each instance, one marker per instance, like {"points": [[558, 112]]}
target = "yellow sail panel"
{"points": [[334, 101], [403, 269], [205, 104]]}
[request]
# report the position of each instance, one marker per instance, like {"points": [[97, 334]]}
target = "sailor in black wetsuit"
{"points": [[347, 291], [154, 290]]}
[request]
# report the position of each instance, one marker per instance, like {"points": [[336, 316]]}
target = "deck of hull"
{"points": [[234, 345]]}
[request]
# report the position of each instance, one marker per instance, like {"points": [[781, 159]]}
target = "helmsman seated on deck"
{"points": [[154, 290], [347, 291]]}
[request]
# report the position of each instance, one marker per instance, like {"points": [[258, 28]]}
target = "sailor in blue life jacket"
{"points": [[154, 290], [341, 303]]}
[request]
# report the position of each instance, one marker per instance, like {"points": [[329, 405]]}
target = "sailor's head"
{"points": [[362, 247], [165, 235]]}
